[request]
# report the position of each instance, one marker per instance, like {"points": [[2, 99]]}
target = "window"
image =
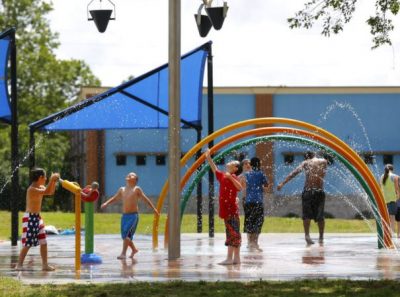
{"points": [[160, 160], [140, 160], [120, 160], [387, 159], [369, 158], [288, 159]]}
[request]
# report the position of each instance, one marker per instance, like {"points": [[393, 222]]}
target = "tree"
{"points": [[46, 84], [334, 14]]}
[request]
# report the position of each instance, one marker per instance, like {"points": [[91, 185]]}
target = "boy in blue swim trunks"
{"points": [[130, 196]]}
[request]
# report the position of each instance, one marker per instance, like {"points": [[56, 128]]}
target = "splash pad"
{"points": [[328, 141], [285, 257]]}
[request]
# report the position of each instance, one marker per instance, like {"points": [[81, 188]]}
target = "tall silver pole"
{"points": [[174, 63]]}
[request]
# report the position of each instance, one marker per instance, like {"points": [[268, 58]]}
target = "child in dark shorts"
{"points": [[397, 216], [313, 204], [229, 207]]}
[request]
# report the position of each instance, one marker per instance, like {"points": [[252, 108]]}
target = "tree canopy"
{"points": [[334, 14], [45, 83]]}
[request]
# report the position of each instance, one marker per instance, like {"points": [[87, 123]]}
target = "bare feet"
{"points": [[309, 240], [227, 262], [121, 257], [48, 268], [134, 252], [258, 249]]}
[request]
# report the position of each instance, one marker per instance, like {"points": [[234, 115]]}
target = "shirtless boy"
{"points": [[313, 196], [130, 195], [33, 233]]}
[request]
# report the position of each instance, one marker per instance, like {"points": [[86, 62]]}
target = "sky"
{"points": [[255, 46]]}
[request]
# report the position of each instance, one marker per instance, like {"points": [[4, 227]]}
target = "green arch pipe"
{"points": [[298, 139]]}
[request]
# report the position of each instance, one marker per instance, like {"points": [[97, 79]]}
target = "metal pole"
{"points": [[31, 148], [14, 145], [210, 93], [199, 192], [174, 56]]}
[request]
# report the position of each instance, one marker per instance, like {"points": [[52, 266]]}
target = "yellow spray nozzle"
{"points": [[70, 186]]}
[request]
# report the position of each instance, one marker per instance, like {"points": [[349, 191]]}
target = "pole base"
{"points": [[91, 259]]}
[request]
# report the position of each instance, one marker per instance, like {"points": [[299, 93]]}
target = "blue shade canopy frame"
{"points": [[5, 109], [9, 115], [142, 103], [139, 103]]}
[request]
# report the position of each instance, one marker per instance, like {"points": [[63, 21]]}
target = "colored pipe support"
{"points": [[76, 190], [296, 139], [366, 173], [89, 227], [286, 121], [89, 257], [270, 130]]}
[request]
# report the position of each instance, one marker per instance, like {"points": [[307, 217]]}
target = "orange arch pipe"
{"points": [[366, 174], [261, 121]]}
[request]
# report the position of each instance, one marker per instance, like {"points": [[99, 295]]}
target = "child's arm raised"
{"points": [[51, 186], [210, 161], [116, 197]]}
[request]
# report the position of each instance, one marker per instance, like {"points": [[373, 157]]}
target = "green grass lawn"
{"points": [[309, 288], [109, 223]]}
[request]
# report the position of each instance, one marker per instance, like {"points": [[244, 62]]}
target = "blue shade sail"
{"points": [[139, 103], [5, 110]]}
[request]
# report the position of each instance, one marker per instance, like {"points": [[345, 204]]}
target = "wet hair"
{"points": [[388, 167], [235, 163], [245, 161], [309, 155], [255, 163], [36, 173], [95, 185], [137, 177]]}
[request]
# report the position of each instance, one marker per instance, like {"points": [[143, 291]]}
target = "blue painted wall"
{"points": [[227, 110], [364, 121]]}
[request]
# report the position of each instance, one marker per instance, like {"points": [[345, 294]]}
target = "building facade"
{"points": [[363, 117]]}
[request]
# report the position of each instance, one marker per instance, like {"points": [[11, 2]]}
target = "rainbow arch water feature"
{"points": [[310, 134]]}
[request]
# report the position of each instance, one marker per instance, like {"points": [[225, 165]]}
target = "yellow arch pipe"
{"points": [[269, 121], [366, 174]]}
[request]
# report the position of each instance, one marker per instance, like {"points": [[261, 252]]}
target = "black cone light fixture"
{"points": [[101, 16], [203, 22], [215, 17]]}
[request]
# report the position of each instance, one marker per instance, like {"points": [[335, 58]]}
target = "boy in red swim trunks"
{"points": [[229, 207], [33, 233]]}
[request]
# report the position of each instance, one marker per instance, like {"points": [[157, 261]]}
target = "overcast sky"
{"points": [[255, 47]]}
